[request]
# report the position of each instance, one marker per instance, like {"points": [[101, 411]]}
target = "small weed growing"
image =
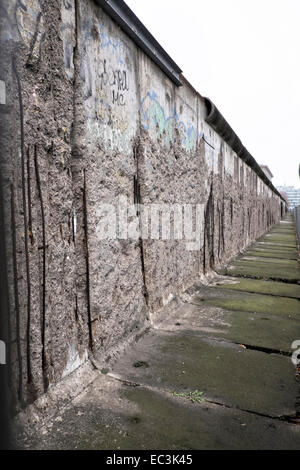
{"points": [[194, 397]]}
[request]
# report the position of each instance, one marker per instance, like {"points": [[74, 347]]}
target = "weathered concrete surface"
{"points": [[112, 415], [237, 363]]}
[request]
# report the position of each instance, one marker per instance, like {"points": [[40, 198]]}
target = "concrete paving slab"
{"points": [[272, 254], [284, 225], [225, 373], [275, 246], [263, 272], [113, 416], [284, 240], [258, 286], [276, 261], [247, 301], [284, 230], [282, 236], [256, 330]]}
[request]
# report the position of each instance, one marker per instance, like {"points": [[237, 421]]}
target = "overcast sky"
{"points": [[245, 56]]}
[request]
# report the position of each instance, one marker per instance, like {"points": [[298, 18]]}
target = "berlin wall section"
{"points": [[110, 106], [47, 338], [98, 123]]}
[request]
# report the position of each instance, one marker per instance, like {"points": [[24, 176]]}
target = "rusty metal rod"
{"points": [[16, 291], [19, 87], [43, 327], [29, 196], [87, 261]]}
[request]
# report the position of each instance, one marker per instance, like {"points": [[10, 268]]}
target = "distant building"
{"points": [[267, 171], [293, 195], [285, 197]]}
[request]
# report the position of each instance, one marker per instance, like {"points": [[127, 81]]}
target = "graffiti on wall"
{"points": [[23, 19], [155, 120], [94, 30], [106, 75], [30, 25], [116, 79], [67, 34]]}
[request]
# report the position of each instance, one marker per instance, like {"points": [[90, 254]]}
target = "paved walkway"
{"points": [[216, 373]]}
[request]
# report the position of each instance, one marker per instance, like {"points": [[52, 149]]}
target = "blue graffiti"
{"points": [[154, 118], [106, 41]]}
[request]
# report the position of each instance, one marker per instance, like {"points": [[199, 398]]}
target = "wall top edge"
{"points": [[216, 120], [131, 25]]}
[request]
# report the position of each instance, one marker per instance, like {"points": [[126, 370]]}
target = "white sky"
{"points": [[245, 56]]}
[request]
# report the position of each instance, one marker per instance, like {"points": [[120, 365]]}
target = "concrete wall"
{"points": [[101, 121]]}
